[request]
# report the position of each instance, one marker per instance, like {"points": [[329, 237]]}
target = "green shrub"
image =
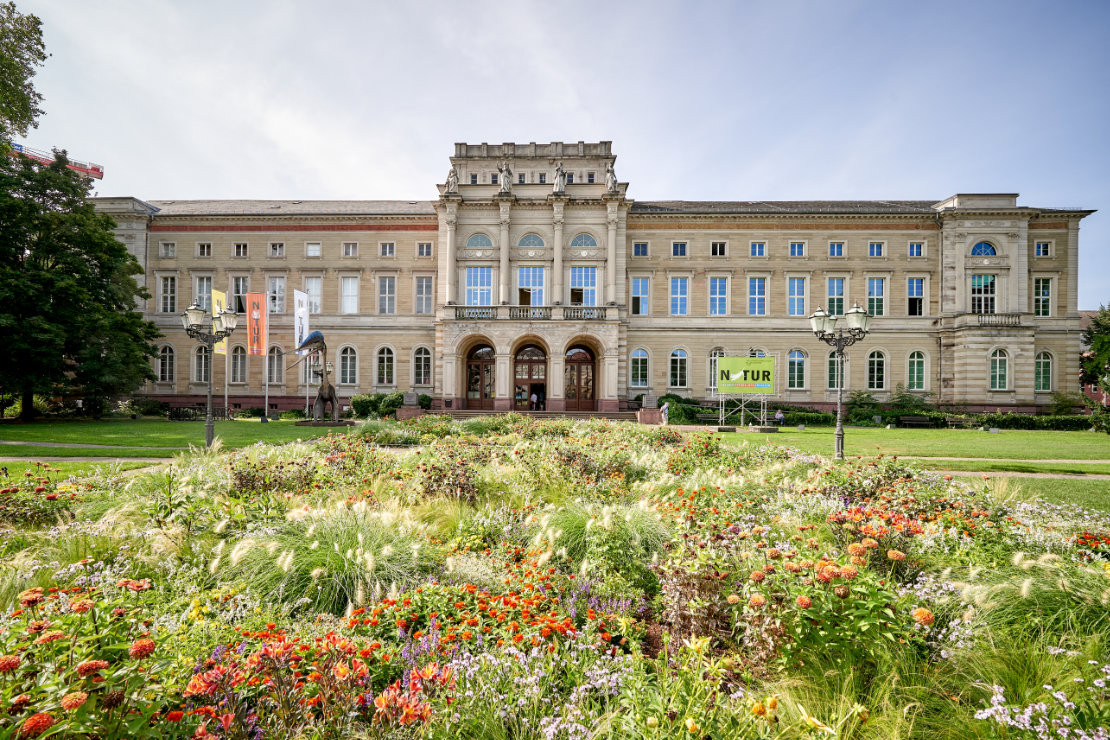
{"points": [[293, 414], [365, 405], [1009, 420], [383, 432], [390, 403], [146, 406], [251, 412], [424, 401]]}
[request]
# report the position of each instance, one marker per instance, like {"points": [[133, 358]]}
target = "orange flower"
{"points": [[758, 709], [89, 667], [174, 716], [36, 724], [848, 572], [896, 555], [757, 576], [8, 663], [50, 636], [757, 600], [74, 700], [80, 606], [922, 616], [803, 602], [29, 598], [141, 648]]}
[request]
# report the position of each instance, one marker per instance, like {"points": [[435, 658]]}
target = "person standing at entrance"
{"points": [[533, 401]]}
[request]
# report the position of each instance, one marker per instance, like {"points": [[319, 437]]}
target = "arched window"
{"points": [[639, 369], [796, 369], [876, 371], [385, 366], [714, 355], [753, 352], [202, 364], [422, 366], [275, 366], [983, 249], [348, 366], [238, 364], [915, 372], [166, 360], [678, 368], [1042, 372], [836, 374], [1000, 362], [479, 241], [530, 240], [583, 240]]}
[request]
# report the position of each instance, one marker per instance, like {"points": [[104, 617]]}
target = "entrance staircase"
{"points": [[610, 415]]}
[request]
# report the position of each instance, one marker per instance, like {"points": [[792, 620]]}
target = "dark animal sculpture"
{"points": [[314, 342]]}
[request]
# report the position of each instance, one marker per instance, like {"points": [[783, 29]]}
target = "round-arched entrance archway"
{"points": [[579, 378], [481, 376], [530, 378]]}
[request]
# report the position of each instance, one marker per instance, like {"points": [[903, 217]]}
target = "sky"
{"points": [[742, 100]]}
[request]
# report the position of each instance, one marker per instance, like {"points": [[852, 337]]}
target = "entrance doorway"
{"points": [[480, 376], [530, 378], [579, 373]]}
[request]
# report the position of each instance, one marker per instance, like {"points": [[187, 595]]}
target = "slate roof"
{"points": [[785, 206], [294, 207]]}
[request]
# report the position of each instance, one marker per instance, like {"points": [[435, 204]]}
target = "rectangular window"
{"points": [[915, 378], [241, 249], [917, 249], [1042, 249], [423, 295], [796, 296], [639, 369], [876, 292], [875, 249], [836, 249], [639, 249], [203, 292], [277, 249], [797, 249], [1042, 296], [982, 293], [1042, 372], [521, 178], [836, 296], [718, 249], [204, 249], [590, 177], [583, 286], [836, 373], [240, 286], [479, 282], [388, 249], [348, 295], [679, 295], [530, 285], [314, 286], [570, 178], [759, 249], [238, 365], [423, 249], [915, 292], [276, 292], [718, 296], [474, 179], [757, 296], [387, 295], [543, 178], [312, 249], [350, 249], [168, 303], [168, 250], [678, 249], [493, 178], [640, 288]]}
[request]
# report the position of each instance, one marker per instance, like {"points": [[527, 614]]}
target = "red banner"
{"points": [[257, 324]]}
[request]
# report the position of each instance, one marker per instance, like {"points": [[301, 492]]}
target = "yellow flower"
{"points": [[691, 725]]}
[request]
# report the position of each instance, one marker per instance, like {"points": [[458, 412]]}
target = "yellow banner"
{"points": [[219, 303]]}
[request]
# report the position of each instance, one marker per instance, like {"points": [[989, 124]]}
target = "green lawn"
{"points": [[1007, 444], [56, 470], [148, 433], [36, 451], [1009, 466], [1090, 494]]}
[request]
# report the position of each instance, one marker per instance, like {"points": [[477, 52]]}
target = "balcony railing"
{"points": [[535, 313], [530, 312], [475, 312], [999, 319], [587, 313]]}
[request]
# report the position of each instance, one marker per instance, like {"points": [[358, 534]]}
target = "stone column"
{"points": [[452, 266], [1072, 306], [607, 400], [1020, 274], [557, 268], [556, 401], [504, 267], [611, 256], [503, 383]]}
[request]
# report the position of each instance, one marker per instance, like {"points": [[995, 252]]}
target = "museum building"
{"points": [[534, 273]]}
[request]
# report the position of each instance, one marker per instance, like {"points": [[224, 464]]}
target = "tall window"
{"points": [[422, 366], [238, 364], [530, 283], [678, 249], [388, 249], [915, 292], [423, 295], [678, 368], [714, 355], [240, 249], [240, 286], [875, 249], [479, 282], [202, 364], [759, 249], [639, 249], [1042, 372], [166, 362], [348, 366], [348, 295], [204, 292], [583, 285], [876, 371], [387, 295], [999, 367], [718, 249], [796, 369], [639, 369], [983, 249], [1042, 296], [876, 292], [836, 296], [169, 295], [836, 249], [796, 296], [718, 296], [797, 249], [385, 366], [757, 296], [982, 293], [276, 292], [917, 249], [679, 295], [836, 373], [275, 366], [314, 287], [640, 296], [915, 375]]}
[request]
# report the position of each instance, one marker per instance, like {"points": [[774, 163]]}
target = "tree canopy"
{"points": [[21, 51], [67, 293], [1095, 362]]}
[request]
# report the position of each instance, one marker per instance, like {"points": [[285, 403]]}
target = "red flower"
{"points": [[8, 663], [89, 667], [74, 700], [141, 648], [174, 716], [36, 724]]}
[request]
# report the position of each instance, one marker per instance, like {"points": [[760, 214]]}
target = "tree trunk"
{"points": [[27, 411]]}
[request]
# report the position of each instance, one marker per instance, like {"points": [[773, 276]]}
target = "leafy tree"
{"points": [[1095, 362], [21, 50], [67, 291]]}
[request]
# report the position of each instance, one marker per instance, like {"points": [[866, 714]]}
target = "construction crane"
{"points": [[88, 169]]}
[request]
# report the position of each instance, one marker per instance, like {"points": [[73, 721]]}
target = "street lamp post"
{"points": [[208, 330], [857, 324]]}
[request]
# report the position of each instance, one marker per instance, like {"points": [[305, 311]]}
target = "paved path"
{"points": [[86, 459], [1008, 459], [1009, 474], [81, 446]]}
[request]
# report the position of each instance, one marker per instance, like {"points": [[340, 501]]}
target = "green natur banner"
{"points": [[746, 375]]}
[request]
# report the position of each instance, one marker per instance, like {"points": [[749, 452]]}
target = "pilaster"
{"points": [[505, 205], [557, 220]]}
